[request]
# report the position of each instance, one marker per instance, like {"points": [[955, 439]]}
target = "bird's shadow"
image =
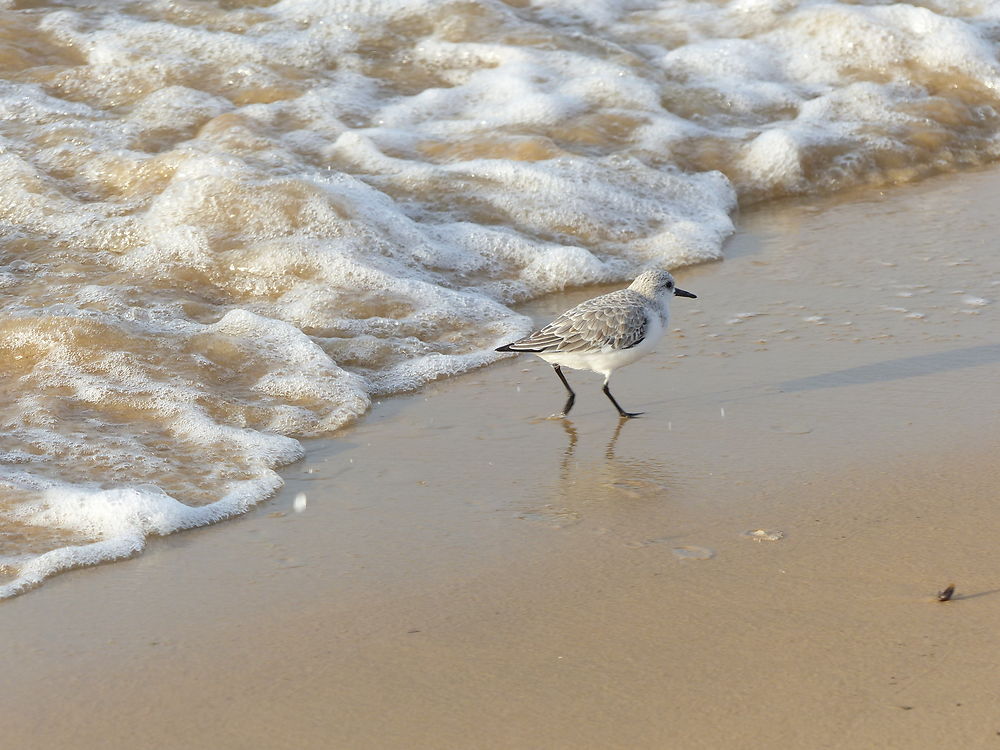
{"points": [[878, 372], [897, 369]]}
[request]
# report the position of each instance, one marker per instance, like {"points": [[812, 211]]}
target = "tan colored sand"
{"points": [[465, 575]]}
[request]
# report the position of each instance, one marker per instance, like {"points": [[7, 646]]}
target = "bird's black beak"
{"points": [[682, 293]]}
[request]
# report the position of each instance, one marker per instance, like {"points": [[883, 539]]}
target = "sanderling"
{"points": [[606, 332]]}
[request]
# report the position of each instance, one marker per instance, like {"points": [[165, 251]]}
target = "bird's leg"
{"points": [[621, 411], [572, 396]]}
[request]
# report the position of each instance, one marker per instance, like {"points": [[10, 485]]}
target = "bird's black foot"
{"points": [[621, 412], [571, 399]]}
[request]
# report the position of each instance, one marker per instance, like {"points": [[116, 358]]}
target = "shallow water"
{"points": [[225, 226]]}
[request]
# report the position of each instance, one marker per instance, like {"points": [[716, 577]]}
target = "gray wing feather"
{"points": [[606, 323]]}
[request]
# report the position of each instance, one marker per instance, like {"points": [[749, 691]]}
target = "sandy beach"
{"points": [[468, 574]]}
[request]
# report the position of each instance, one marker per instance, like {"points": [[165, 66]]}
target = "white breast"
{"points": [[606, 362]]}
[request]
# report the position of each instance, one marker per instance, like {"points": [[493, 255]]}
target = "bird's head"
{"points": [[656, 283]]}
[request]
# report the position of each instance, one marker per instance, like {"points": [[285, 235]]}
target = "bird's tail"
{"points": [[513, 347]]}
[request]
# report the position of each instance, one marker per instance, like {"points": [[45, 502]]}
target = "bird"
{"points": [[605, 333]]}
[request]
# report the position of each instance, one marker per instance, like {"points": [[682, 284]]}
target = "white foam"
{"points": [[974, 301], [121, 520], [226, 229]]}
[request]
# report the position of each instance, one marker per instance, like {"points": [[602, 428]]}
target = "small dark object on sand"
{"points": [[945, 595]]}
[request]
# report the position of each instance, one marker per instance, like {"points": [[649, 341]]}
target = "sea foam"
{"points": [[223, 229]]}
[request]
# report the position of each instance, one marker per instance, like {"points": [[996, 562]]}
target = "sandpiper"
{"points": [[606, 332]]}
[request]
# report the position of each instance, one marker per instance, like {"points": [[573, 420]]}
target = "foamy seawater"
{"points": [[225, 226]]}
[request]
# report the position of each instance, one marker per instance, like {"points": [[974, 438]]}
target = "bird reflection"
{"points": [[609, 451], [571, 432], [570, 429], [603, 484]]}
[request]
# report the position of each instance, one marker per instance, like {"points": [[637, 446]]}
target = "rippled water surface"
{"points": [[227, 225]]}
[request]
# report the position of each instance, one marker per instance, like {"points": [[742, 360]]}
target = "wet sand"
{"points": [[467, 574]]}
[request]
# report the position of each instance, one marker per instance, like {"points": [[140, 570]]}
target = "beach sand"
{"points": [[468, 574]]}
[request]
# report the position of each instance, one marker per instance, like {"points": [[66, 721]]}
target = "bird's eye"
{"points": [[669, 285]]}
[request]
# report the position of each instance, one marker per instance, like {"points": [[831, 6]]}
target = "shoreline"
{"points": [[466, 573]]}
